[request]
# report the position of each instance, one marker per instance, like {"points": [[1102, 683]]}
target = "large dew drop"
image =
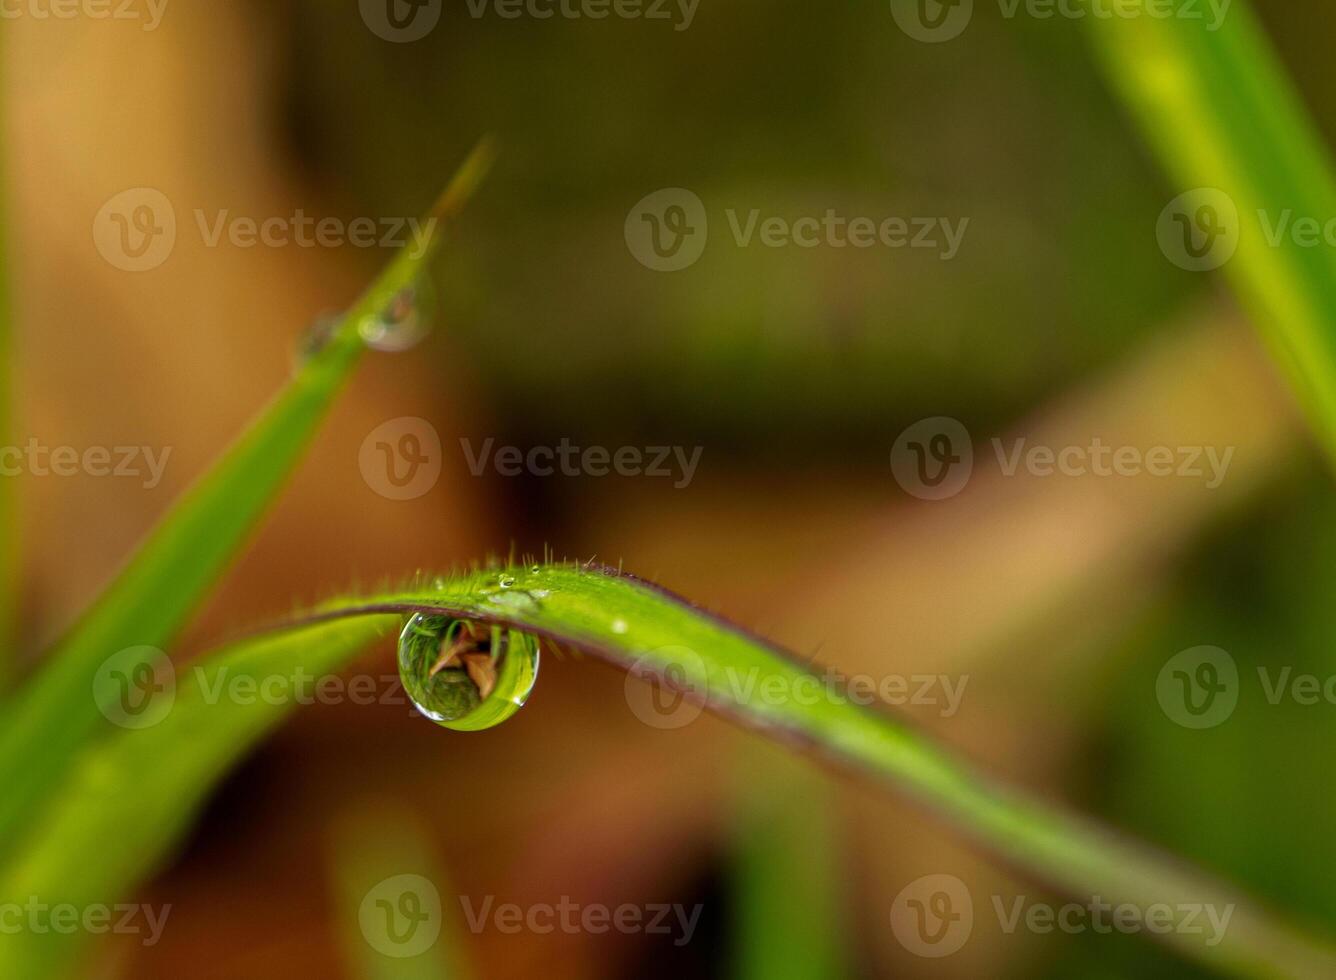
{"points": [[463, 675]]}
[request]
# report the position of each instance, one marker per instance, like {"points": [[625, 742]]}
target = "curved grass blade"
{"points": [[128, 800], [171, 572], [127, 788], [1220, 112], [654, 634]]}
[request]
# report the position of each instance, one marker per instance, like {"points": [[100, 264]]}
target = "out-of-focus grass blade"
{"points": [[786, 876], [171, 572], [129, 798], [397, 908], [1220, 112]]}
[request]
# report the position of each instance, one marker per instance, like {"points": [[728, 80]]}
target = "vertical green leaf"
{"points": [[1219, 111], [171, 572], [786, 876]]}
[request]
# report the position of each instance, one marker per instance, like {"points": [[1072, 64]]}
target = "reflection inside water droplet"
{"points": [[463, 675], [404, 323]]}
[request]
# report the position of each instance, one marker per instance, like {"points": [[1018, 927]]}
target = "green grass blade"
{"points": [[127, 801], [652, 633], [382, 858], [787, 870], [1220, 112], [127, 788], [190, 548]]}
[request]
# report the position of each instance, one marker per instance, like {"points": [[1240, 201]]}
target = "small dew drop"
{"points": [[316, 337], [463, 675], [619, 626], [403, 324], [506, 581]]}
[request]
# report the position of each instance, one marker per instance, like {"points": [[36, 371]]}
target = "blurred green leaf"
{"points": [[1220, 112], [172, 571], [382, 860], [129, 799], [788, 869]]}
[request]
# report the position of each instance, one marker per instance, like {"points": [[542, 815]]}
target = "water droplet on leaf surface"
{"points": [[464, 675], [404, 323]]}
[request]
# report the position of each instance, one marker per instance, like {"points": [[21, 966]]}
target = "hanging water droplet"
{"points": [[316, 337], [405, 322], [463, 675]]}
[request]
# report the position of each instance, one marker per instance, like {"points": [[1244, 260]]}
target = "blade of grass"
{"points": [[373, 848], [1219, 111], [786, 876], [189, 549], [128, 800], [639, 627]]}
